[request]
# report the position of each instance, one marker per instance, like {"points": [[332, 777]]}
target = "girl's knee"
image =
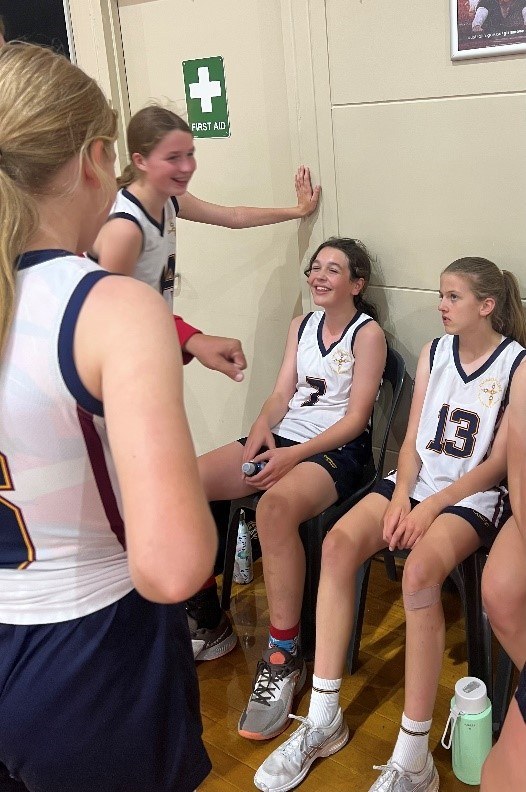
{"points": [[420, 574], [274, 515], [342, 552]]}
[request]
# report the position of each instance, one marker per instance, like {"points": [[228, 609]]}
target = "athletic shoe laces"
{"points": [[267, 683], [392, 775], [299, 740]]}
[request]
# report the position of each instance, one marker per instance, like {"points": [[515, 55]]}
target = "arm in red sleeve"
{"points": [[184, 331]]}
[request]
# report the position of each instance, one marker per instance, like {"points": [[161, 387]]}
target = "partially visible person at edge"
{"points": [[504, 596], [446, 498], [314, 433], [98, 681], [139, 237]]}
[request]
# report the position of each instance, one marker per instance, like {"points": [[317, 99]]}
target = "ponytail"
{"points": [[513, 318], [128, 176], [365, 306], [18, 222]]}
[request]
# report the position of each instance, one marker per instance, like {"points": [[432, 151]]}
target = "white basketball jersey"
{"points": [[460, 418], [62, 551], [324, 379], [156, 264]]}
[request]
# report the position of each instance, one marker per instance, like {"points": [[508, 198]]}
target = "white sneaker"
{"points": [[288, 765], [394, 778]]}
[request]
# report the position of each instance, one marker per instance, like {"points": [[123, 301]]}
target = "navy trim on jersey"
{"points": [[432, 351], [101, 474], [516, 363], [66, 361], [126, 216], [494, 355], [33, 257], [175, 204], [159, 226], [324, 352], [92, 257], [303, 325], [356, 330]]}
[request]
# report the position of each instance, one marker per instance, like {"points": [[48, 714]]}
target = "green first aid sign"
{"points": [[204, 84]]}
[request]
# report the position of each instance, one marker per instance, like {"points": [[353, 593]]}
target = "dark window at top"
{"points": [[37, 21]]}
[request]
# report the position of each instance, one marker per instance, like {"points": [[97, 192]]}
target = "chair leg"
{"points": [[362, 582], [312, 536], [230, 557], [503, 690], [478, 629], [390, 566]]}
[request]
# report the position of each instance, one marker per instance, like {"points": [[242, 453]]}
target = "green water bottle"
{"points": [[471, 729]]}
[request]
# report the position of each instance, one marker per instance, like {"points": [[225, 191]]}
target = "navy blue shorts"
{"points": [[105, 703], [520, 694], [486, 530], [342, 464]]}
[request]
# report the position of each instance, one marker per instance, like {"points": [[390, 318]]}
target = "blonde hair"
{"points": [[145, 130], [50, 111], [487, 280]]}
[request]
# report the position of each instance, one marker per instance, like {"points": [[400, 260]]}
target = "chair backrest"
{"points": [[385, 407]]}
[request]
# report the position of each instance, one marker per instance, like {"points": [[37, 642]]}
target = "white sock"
{"points": [[410, 751], [324, 700]]}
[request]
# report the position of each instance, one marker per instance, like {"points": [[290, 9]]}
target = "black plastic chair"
{"points": [[313, 531]]}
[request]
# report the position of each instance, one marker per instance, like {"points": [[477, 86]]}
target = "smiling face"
{"points": [[170, 165], [329, 278], [459, 307]]}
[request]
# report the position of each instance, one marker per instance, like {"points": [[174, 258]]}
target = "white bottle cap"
{"points": [[471, 696]]}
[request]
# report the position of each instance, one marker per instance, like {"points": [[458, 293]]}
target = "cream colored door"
{"points": [[245, 283]]}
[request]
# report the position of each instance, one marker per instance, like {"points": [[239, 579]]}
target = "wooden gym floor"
{"points": [[372, 698]]}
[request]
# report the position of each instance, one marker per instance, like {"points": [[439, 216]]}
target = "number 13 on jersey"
{"points": [[16, 547]]}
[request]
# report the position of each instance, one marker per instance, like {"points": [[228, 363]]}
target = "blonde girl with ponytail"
{"points": [[96, 666]]}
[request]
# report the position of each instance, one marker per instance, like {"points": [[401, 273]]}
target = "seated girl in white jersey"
{"points": [[97, 676], [445, 500], [140, 237], [313, 433], [504, 597]]}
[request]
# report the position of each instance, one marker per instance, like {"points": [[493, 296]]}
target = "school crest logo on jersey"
{"points": [[341, 361], [490, 392]]}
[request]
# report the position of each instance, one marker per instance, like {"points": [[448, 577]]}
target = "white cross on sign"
{"points": [[205, 89]]}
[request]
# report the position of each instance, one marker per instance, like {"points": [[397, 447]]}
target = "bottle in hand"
{"points": [[252, 468]]}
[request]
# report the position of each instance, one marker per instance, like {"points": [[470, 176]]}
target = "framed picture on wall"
{"points": [[485, 28]]}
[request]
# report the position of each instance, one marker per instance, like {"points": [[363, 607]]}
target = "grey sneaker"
{"points": [[287, 766], [279, 676], [211, 643], [394, 778]]}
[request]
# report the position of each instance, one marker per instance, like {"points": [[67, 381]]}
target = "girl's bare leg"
{"points": [[504, 591]]}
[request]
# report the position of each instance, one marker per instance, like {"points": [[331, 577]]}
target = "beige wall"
{"points": [[420, 157], [429, 154]]}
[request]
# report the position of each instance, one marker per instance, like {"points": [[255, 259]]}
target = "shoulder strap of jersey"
{"points": [[303, 325], [516, 363], [432, 351]]}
